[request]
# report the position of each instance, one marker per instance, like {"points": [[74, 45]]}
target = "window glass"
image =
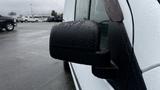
{"points": [[98, 12], [99, 15], [82, 9], [69, 10]]}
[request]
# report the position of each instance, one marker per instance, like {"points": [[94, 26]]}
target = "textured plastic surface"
{"points": [[77, 35], [78, 42]]}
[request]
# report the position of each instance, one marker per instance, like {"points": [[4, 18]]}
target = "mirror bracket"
{"points": [[108, 72]]}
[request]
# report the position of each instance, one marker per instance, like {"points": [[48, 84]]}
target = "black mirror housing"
{"points": [[79, 42], [81, 35]]}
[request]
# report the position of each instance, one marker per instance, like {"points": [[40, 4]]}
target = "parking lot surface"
{"points": [[25, 63]]}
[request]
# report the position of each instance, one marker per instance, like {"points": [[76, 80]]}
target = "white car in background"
{"points": [[28, 19], [31, 19], [115, 42]]}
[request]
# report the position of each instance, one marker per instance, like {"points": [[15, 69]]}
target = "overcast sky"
{"points": [[24, 6]]}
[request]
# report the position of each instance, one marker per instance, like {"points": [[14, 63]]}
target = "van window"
{"points": [[98, 12], [99, 15], [69, 10], [82, 9]]}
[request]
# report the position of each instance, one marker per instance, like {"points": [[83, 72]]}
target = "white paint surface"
{"points": [[88, 81], [147, 39], [147, 31], [152, 79]]}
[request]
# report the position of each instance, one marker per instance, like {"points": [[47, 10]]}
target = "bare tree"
{"points": [[54, 13]]}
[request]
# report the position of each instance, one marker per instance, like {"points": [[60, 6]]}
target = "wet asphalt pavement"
{"points": [[25, 63]]}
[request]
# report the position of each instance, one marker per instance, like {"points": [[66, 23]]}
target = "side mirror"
{"points": [[79, 42]]}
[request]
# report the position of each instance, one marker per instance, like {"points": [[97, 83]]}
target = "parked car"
{"points": [[20, 19], [51, 19], [55, 19], [7, 22], [115, 43], [59, 18], [28, 19], [39, 18]]}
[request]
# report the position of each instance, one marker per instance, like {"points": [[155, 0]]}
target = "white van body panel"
{"points": [[147, 40], [147, 31], [87, 80], [152, 79]]}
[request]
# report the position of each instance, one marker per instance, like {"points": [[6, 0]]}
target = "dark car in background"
{"points": [[50, 19], [7, 22], [58, 18]]}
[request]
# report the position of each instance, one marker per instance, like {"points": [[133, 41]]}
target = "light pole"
{"points": [[31, 9]]}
